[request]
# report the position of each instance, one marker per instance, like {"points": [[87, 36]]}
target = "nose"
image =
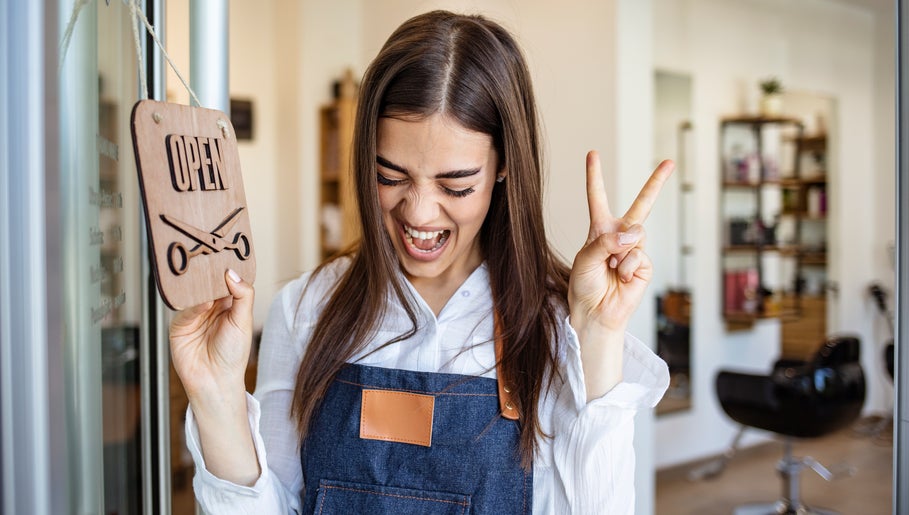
{"points": [[420, 207]]}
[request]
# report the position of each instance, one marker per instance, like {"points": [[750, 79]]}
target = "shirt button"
{"points": [[465, 293]]}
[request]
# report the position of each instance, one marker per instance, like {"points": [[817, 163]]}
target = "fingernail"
{"points": [[233, 275], [613, 262], [627, 238]]}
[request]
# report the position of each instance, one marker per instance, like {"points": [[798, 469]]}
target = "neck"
{"points": [[436, 291]]}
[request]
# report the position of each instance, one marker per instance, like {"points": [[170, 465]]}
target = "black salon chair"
{"points": [[799, 399]]}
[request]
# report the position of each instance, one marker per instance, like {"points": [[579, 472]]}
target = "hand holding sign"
{"points": [[194, 200]]}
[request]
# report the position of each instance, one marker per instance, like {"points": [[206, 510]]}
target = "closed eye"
{"points": [[454, 174], [385, 181], [458, 193]]}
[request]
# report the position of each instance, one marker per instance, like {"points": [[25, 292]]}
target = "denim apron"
{"points": [[471, 466]]}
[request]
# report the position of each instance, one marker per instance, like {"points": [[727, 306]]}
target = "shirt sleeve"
{"points": [[278, 489], [267, 496], [593, 453]]}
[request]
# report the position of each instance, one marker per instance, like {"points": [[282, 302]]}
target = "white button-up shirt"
{"points": [[586, 467]]}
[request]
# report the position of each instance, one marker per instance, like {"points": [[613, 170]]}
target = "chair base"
{"points": [[779, 508], [790, 470]]}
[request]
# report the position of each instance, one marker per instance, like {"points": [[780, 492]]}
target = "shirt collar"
{"points": [[474, 293]]}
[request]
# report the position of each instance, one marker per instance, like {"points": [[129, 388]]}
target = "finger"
{"points": [[599, 253], [596, 192], [628, 266], [642, 205], [624, 242], [243, 297], [607, 246]]}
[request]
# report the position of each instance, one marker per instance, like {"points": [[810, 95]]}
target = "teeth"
{"points": [[422, 235]]}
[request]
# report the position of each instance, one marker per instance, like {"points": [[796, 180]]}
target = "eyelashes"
{"points": [[385, 181], [458, 193]]}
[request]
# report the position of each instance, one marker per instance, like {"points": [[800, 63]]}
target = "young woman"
{"points": [[450, 362]]}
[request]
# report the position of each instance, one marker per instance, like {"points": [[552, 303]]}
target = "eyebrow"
{"points": [[453, 174]]}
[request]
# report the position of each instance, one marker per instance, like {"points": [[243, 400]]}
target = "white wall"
{"points": [[813, 45], [884, 175], [251, 75], [283, 56]]}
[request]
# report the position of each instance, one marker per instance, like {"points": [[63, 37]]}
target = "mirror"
{"points": [[674, 139]]}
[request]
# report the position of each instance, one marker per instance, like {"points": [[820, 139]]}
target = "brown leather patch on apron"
{"points": [[397, 417]]}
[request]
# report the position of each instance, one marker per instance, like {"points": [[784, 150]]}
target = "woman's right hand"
{"points": [[210, 343], [210, 347]]}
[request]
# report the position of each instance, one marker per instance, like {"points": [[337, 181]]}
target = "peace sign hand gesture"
{"points": [[609, 275]]}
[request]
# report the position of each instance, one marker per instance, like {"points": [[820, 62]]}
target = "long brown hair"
{"points": [[470, 69]]}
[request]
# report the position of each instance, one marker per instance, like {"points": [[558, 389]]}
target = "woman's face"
{"points": [[435, 180]]}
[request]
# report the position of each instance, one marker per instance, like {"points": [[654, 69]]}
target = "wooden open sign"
{"points": [[195, 205]]}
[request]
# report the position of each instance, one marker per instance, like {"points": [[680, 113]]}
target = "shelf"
{"points": [[751, 185], [331, 175], [760, 120], [802, 215], [735, 249], [740, 320], [811, 142], [801, 182], [744, 316], [814, 259], [808, 256]]}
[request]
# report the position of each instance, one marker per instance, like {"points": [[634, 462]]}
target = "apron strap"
{"points": [[507, 403]]}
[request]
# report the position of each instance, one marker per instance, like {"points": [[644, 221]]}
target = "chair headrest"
{"points": [[837, 350]]}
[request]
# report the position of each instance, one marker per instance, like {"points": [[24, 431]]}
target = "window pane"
{"points": [[102, 258]]}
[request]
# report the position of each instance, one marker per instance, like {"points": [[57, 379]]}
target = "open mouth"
{"points": [[425, 242]]}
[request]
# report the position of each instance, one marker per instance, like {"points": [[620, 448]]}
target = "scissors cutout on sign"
{"points": [[178, 255]]}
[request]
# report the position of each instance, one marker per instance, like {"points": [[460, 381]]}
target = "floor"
{"points": [[751, 477]]}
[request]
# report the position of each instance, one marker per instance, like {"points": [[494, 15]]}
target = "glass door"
{"points": [[106, 306]]}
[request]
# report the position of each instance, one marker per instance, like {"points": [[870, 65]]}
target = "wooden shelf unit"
{"points": [[802, 205], [746, 296], [339, 223], [801, 335]]}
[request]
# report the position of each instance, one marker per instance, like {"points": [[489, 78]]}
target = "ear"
{"points": [[501, 175]]}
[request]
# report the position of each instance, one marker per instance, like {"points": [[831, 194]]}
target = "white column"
{"points": [[632, 161], [23, 314], [208, 52]]}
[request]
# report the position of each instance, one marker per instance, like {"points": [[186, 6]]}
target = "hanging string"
{"points": [[68, 33], [151, 31], [136, 15], [134, 18]]}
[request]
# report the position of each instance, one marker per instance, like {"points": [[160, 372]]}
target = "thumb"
{"points": [[243, 296], [594, 254]]}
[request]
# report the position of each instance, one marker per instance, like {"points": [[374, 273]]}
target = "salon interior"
{"points": [[774, 243]]}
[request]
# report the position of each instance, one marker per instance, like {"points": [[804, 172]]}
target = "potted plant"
{"points": [[771, 98]]}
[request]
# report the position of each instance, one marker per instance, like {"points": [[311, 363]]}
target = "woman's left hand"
{"points": [[611, 271]]}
